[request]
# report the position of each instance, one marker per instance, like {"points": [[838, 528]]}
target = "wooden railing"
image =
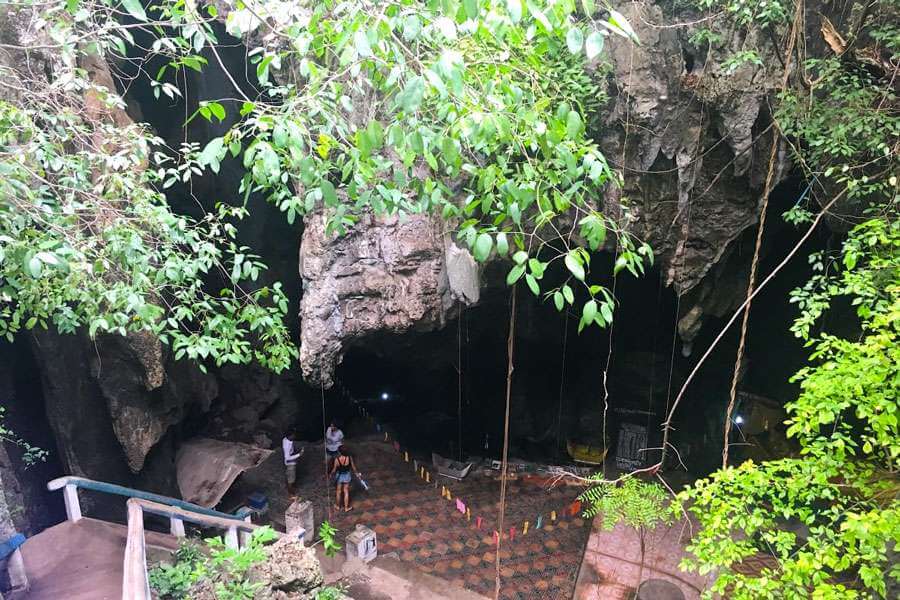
{"points": [[71, 485], [135, 582]]}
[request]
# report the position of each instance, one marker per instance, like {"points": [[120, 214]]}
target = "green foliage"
{"points": [[327, 534], [637, 504], [829, 518], [330, 592], [846, 127], [174, 581], [30, 454], [841, 493], [87, 242], [765, 13], [225, 567], [475, 111]]}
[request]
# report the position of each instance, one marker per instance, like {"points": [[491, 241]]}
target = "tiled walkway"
{"points": [[418, 526]]}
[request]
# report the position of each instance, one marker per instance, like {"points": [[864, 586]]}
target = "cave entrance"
{"points": [[444, 391]]}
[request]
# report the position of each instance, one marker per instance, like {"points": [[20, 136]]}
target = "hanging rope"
{"points": [[510, 346], [459, 388], [686, 231], [562, 381], [615, 275], [751, 283], [325, 454]]}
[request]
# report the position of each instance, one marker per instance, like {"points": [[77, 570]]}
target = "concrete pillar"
{"points": [[300, 515]]}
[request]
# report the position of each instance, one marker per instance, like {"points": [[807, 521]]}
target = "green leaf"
{"points": [[280, 136], [514, 7], [412, 27], [514, 274], [573, 263], [520, 257], [217, 110], [606, 311], [34, 267], [329, 194], [574, 125], [48, 258], [568, 294], [482, 248], [594, 45], [558, 300], [135, 9], [589, 311], [540, 17], [411, 97], [211, 154], [618, 20], [575, 40], [471, 7], [533, 285], [502, 244], [588, 7], [361, 43]]}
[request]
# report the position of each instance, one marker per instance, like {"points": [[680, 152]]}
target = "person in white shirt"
{"points": [[290, 461], [334, 438]]}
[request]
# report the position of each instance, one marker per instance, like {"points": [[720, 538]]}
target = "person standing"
{"points": [[290, 461], [334, 437], [343, 467]]}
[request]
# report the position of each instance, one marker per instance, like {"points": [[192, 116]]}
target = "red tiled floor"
{"points": [[412, 520]]}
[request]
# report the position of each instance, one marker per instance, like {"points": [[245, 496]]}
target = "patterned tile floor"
{"points": [[414, 522]]}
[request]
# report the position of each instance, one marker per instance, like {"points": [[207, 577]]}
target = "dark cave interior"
{"points": [[558, 379]]}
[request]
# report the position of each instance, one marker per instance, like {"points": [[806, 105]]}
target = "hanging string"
{"points": [[562, 381], [615, 276], [751, 283], [686, 231], [510, 346], [324, 453], [459, 384], [653, 357]]}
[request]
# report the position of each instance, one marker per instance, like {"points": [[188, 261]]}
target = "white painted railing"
{"points": [[135, 583]]}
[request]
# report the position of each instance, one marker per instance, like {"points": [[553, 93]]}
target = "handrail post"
{"points": [[243, 535], [135, 583], [18, 577], [176, 527], [73, 506], [231, 538]]}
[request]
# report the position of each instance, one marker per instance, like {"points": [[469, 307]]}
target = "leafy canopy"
{"points": [[826, 521], [475, 111]]}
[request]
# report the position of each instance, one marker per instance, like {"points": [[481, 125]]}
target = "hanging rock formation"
{"points": [[385, 274], [695, 138]]}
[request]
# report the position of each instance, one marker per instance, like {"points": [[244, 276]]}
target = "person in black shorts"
{"points": [[344, 468]]}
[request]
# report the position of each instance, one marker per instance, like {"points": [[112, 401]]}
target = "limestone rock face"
{"points": [[385, 274], [693, 140], [104, 413], [291, 570]]}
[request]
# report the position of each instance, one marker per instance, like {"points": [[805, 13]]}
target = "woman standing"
{"points": [[344, 467], [334, 437]]}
